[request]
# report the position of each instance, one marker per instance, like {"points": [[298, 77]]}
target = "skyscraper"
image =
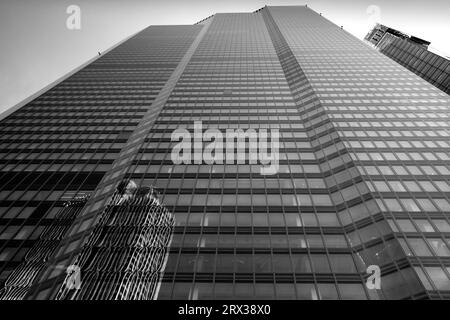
{"points": [[411, 52], [361, 182]]}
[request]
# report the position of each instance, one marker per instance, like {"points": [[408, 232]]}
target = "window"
{"points": [[321, 200], [442, 225], [419, 247], [285, 291], [327, 291], [303, 200], [426, 205], [243, 291], [263, 263], [410, 205], [424, 225], [320, 263], [301, 263], [442, 204], [342, 263], [439, 278], [427, 186], [406, 225], [352, 291], [306, 291], [181, 291], [381, 186], [393, 205], [24, 232], [412, 186], [439, 247], [396, 186]]}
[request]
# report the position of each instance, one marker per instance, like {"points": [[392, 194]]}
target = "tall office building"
{"points": [[362, 180], [412, 53]]}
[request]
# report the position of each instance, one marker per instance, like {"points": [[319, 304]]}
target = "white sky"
{"points": [[37, 48]]}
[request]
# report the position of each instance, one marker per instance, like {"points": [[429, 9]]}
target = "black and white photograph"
{"points": [[233, 152]]}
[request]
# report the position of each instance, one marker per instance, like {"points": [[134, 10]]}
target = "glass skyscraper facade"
{"points": [[411, 52], [363, 175]]}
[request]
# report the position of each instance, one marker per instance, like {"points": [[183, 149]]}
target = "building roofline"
{"points": [[54, 83]]}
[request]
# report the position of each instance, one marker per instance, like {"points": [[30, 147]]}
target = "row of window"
{"points": [[261, 241], [269, 183], [260, 219], [414, 205], [395, 124], [383, 101], [391, 108], [262, 291], [25, 212], [45, 130], [103, 166], [392, 133], [82, 135], [411, 186], [419, 225], [93, 155], [283, 155], [225, 118], [25, 195], [397, 144], [63, 145], [21, 233], [245, 168], [101, 137], [400, 156], [247, 200], [390, 116], [262, 263], [420, 247], [404, 170], [393, 286]]}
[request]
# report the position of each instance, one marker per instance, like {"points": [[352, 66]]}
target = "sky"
{"points": [[37, 48]]}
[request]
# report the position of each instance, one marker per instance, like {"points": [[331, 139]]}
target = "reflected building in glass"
{"points": [[363, 177]]}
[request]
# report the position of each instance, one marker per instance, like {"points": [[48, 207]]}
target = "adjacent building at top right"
{"points": [[412, 53]]}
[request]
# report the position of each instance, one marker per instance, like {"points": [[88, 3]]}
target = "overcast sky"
{"points": [[37, 48]]}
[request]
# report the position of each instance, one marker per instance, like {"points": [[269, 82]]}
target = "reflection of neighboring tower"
{"points": [[36, 260], [127, 251]]}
